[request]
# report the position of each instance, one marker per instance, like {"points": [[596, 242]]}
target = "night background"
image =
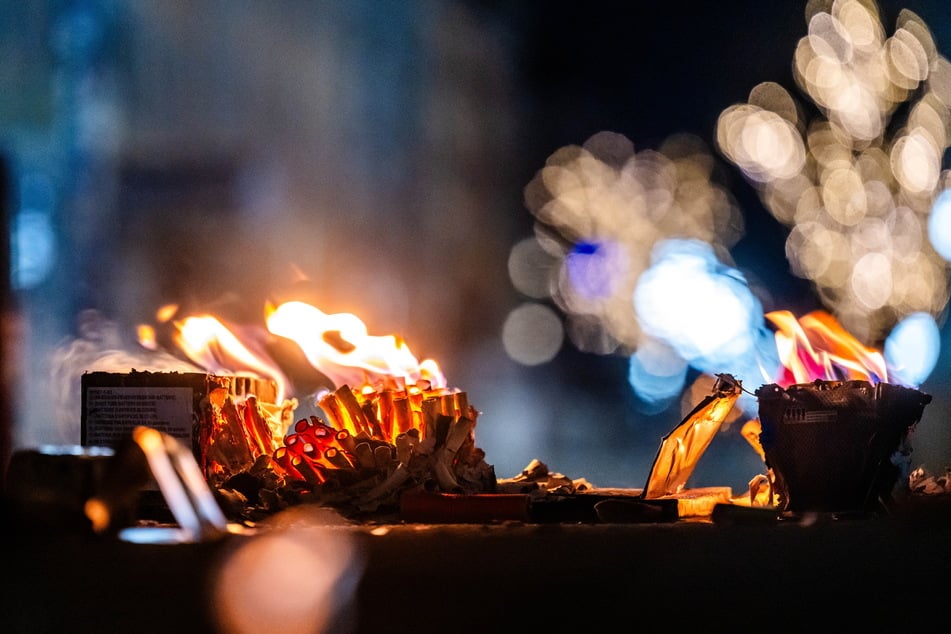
{"points": [[373, 158]]}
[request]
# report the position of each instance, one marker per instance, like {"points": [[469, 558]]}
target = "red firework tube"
{"points": [[373, 422], [461, 404], [322, 431], [331, 405], [311, 472], [363, 452], [240, 446], [313, 455], [351, 406], [431, 408], [402, 417], [310, 450], [313, 426], [305, 432], [284, 460], [295, 444], [384, 414]]}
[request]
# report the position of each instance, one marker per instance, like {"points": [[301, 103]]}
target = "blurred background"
{"points": [[488, 179]]}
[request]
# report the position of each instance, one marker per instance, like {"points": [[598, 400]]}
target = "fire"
{"points": [[340, 347], [390, 413], [817, 347], [386, 408], [210, 344]]}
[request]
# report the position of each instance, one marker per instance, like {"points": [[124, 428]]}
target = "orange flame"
{"points": [[339, 346], [211, 345], [817, 347]]}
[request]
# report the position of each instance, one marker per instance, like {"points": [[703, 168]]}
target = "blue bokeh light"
{"points": [[705, 312], [34, 246], [595, 268], [939, 225], [911, 349], [657, 373]]}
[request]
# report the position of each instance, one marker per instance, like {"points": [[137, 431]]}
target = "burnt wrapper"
{"points": [[831, 444]]}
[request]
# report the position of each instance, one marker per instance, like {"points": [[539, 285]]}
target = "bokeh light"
{"points": [[595, 269], [657, 373], [911, 349], [856, 183], [33, 239], [247, 596], [633, 246], [532, 269], [532, 334], [705, 312], [600, 209], [939, 225]]}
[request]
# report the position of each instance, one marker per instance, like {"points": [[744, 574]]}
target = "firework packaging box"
{"points": [[837, 446], [218, 417]]}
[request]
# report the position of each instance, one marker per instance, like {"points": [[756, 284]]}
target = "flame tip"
{"points": [[816, 347]]}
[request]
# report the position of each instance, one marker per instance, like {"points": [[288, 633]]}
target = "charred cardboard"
{"points": [[834, 445]]}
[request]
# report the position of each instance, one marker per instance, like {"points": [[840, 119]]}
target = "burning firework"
{"points": [[390, 422]]}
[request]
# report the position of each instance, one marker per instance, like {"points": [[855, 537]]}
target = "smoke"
{"points": [[100, 346]]}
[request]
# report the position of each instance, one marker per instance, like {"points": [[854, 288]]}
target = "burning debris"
{"points": [[681, 449], [835, 431], [665, 496], [392, 448], [380, 443], [920, 481], [837, 446], [389, 424], [537, 479], [377, 443], [394, 438]]}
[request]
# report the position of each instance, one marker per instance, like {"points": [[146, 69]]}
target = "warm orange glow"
{"points": [[146, 336], [682, 448], [166, 313], [817, 347], [340, 347], [750, 431], [380, 392], [210, 344]]}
